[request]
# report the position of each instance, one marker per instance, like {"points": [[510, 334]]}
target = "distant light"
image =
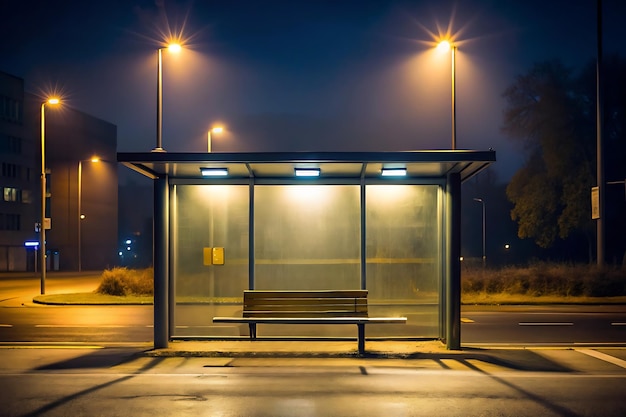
{"points": [[217, 129], [128, 241], [507, 246], [95, 159], [214, 172], [120, 253], [82, 217], [31, 244], [307, 172], [53, 100], [444, 46], [128, 248], [174, 47], [393, 172], [461, 259]]}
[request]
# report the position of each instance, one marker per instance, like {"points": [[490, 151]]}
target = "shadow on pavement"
{"points": [[100, 358], [104, 360]]}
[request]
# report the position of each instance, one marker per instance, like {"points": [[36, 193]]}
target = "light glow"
{"points": [[174, 47], [217, 129], [214, 172], [307, 172], [444, 46], [393, 172], [54, 100]]}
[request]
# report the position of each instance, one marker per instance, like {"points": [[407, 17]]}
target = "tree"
{"points": [[545, 113]]}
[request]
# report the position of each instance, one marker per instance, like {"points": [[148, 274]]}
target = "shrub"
{"points": [[546, 279], [124, 281]]}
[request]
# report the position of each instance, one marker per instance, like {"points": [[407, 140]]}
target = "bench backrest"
{"points": [[325, 303]]}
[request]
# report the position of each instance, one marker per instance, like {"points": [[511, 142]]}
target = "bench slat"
{"points": [[251, 294], [305, 301], [312, 320], [322, 307], [301, 314]]}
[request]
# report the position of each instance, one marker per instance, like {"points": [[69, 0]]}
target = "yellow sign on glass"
{"points": [[212, 256]]}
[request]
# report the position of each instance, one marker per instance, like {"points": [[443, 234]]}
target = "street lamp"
{"points": [[445, 46], [81, 216], [217, 129], [480, 200], [42, 224], [173, 47]]}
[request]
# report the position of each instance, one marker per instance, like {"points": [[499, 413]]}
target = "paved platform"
{"points": [[299, 348]]}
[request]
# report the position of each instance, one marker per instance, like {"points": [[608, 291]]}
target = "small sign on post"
{"points": [[595, 203]]}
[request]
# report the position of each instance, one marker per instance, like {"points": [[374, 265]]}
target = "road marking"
{"points": [[618, 324], [6, 325], [466, 320], [12, 345], [549, 323], [603, 357], [78, 326]]}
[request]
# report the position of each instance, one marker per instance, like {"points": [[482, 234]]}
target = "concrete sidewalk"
{"points": [[298, 348], [420, 354]]}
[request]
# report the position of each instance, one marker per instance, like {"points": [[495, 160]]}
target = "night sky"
{"points": [[299, 75]]}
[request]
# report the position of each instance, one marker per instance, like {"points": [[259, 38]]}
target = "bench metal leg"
{"points": [[252, 330], [361, 327]]}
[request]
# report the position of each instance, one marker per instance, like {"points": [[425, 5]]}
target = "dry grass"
{"points": [[124, 282], [538, 283], [545, 280]]}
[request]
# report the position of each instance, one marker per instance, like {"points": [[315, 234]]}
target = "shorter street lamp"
{"points": [[480, 200], [217, 129], [81, 216]]}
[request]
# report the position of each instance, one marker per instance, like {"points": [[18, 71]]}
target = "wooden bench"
{"points": [[308, 307]]}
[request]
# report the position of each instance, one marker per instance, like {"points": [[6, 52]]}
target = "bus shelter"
{"points": [[387, 222]]}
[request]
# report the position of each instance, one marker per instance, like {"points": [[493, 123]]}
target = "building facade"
{"points": [[81, 195]]}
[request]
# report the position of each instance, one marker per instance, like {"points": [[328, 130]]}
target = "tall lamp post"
{"points": [[42, 224], [81, 216], [445, 46], [480, 200], [217, 129], [173, 47]]}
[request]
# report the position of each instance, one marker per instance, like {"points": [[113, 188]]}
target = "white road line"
{"points": [[549, 323], [6, 325], [16, 346], [77, 326], [618, 323], [603, 357]]}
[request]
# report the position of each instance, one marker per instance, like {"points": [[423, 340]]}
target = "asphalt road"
{"points": [[555, 325], [21, 320], [122, 382], [116, 377]]}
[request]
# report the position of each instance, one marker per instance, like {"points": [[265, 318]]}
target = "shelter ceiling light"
{"points": [[214, 172], [393, 172], [307, 172]]}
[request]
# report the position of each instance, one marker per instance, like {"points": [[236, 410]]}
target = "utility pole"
{"points": [[600, 225]]}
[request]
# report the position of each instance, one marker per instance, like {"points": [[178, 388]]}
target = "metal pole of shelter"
{"points": [[161, 263], [453, 263]]}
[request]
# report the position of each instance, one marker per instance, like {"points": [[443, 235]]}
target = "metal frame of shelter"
{"points": [[446, 168]]}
